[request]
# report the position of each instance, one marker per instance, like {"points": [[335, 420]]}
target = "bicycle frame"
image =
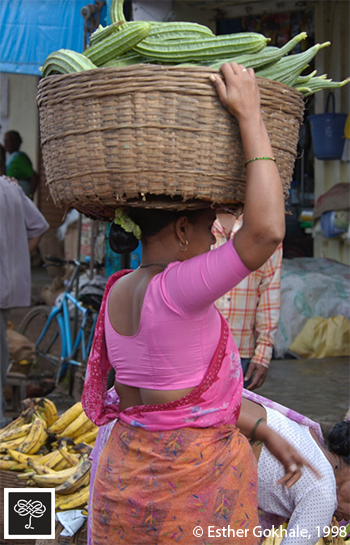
{"points": [[69, 347]]}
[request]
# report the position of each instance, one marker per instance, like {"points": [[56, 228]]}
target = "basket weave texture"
{"points": [[153, 136]]}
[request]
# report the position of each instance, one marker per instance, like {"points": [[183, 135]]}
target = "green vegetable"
{"points": [[318, 84], [103, 32], [267, 56], [125, 60], [288, 69], [177, 30], [116, 11], [183, 50], [127, 36], [66, 61]]}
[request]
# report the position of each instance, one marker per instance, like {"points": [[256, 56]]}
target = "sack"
{"points": [[91, 293], [21, 351], [323, 338]]}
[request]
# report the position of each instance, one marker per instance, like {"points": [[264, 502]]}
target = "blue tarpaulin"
{"points": [[32, 29]]}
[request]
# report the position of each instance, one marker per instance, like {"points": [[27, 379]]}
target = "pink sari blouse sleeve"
{"points": [[197, 283]]}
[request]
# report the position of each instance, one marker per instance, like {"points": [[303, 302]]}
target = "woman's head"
{"points": [[189, 230], [339, 440], [339, 444]]}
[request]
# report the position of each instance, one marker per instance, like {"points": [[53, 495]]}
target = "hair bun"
{"points": [[120, 241]]}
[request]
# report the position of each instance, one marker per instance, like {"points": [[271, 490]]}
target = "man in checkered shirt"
{"points": [[252, 308]]}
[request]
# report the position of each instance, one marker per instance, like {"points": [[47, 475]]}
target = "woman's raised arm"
{"points": [[264, 221]]}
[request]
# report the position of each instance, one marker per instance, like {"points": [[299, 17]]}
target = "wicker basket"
{"points": [[152, 136]]}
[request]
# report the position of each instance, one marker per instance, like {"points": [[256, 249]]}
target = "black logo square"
{"points": [[29, 513]]}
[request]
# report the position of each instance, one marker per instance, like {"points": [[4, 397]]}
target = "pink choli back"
{"points": [[192, 286]]}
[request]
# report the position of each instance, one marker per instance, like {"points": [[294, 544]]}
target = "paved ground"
{"points": [[319, 389]]}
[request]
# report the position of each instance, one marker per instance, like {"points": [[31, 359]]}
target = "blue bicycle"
{"points": [[62, 334]]}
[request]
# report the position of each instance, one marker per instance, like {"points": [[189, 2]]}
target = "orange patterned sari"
{"points": [[157, 488]]}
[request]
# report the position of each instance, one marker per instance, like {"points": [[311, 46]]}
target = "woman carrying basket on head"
{"points": [[175, 459]]}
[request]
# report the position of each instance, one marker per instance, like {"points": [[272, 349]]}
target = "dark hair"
{"points": [[339, 440], [151, 222], [15, 137]]}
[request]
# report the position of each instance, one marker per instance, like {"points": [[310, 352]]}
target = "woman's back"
{"points": [[169, 330]]}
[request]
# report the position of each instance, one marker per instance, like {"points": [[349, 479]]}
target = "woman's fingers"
{"points": [[294, 471], [291, 477], [220, 88], [238, 91]]}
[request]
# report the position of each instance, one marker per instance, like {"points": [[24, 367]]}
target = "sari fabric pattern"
{"points": [[155, 488]]}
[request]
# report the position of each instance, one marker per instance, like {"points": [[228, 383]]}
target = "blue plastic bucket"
{"points": [[327, 131]]}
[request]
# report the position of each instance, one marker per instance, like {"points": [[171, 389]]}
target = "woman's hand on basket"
{"points": [[239, 91]]}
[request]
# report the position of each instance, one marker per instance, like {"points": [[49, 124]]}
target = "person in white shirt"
{"points": [[21, 226], [312, 501]]}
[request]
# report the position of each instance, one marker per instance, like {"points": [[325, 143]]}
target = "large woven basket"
{"points": [[153, 136]]}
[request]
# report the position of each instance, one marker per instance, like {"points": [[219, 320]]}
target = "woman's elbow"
{"points": [[276, 234]]}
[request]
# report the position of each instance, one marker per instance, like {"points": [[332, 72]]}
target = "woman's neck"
{"points": [[333, 459]]}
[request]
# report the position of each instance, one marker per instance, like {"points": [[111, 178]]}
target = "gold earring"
{"points": [[183, 248]]}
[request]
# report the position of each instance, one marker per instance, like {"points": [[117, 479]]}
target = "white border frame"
{"points": [[28, 491]]}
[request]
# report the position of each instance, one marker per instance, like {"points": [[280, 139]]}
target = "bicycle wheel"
{"points": [[48, 353]]}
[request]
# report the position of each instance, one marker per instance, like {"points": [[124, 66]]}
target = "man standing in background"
{"points": [[252, 308], [21, 226]]}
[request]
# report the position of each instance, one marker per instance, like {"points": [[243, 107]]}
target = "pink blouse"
{"points": [[179, 326]]}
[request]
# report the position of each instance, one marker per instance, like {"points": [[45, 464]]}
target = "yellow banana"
{"points": [[28, 415], [66, 418], [18, 467], [74, 487], [40, 469], [55, 480], [50, 410], [81, 477], [14, 444], [35, 438], [22, 458], [26, 475], [6, 457], [14, 424], [62, 465], [15, 433], [82, 448], [6, 464], [84, 428], [87, 437], [74, 425], [38, 414], [72, 459], [28, 403], [51, 460], [73, 501]]}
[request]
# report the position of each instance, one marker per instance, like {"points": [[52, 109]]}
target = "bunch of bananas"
{"points": [[51, 451]]}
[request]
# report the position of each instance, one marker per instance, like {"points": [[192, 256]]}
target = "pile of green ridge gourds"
{"points": [[126, 43]]}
